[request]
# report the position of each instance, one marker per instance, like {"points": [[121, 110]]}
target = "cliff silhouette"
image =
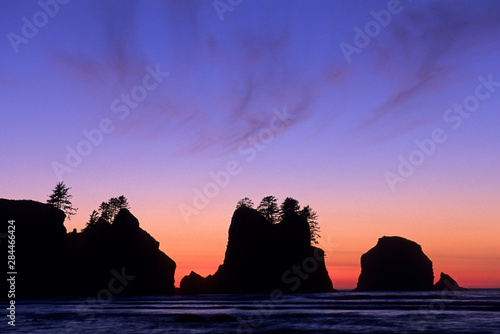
{"points": [[261, 257], [93, 254], [117, 258], [39, 246]]}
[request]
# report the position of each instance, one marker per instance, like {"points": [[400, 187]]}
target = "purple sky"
{"points": [[229, 74]]}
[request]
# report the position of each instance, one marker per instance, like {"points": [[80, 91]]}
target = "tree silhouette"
{"points": [[268, 207], [108, 210], [60, 198], [289, 207], [105, 211], [311, 217], [93, 218], [246, 202]]}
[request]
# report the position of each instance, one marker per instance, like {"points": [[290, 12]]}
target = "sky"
{"points": [[383, 116]]}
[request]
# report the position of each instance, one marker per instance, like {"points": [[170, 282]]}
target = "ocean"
{"points": [[471, 311]]}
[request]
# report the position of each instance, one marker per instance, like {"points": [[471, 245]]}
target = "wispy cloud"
{"points": [[227, 77], [425, 52], [225, 80]]}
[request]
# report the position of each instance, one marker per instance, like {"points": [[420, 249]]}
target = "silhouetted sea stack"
{"points": [[39, 248], [446, 283], [262, 257], [196, 284], [395, 264], [106, 252], [103, 261]]}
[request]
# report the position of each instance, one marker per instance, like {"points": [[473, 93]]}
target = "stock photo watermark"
{"points": [[121, 107], [222, 6], [31, 26], [454, 117], [116, 285], [11, 272], [292, 278], [248, 148], [422, 319], [363, 37]]}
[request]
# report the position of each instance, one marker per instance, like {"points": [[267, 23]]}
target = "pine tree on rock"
{"points": [[245, 202], [93, 218], [60, 198], [268, 207], [108, 210], [289, 207], [312, 219]]}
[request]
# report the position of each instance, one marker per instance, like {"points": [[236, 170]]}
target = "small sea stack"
{"points": [[446, 283]]}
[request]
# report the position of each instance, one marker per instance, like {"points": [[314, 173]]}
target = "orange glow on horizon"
{"points": [[468, 253]]}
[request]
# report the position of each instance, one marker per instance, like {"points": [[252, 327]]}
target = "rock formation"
{"points": [[261, 257], [39, 245], [110, 259], [97, 254], [446, 283], [196, 284], [395, 264]]}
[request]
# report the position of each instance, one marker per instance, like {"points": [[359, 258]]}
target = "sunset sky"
{"points": [[384, 117]]}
